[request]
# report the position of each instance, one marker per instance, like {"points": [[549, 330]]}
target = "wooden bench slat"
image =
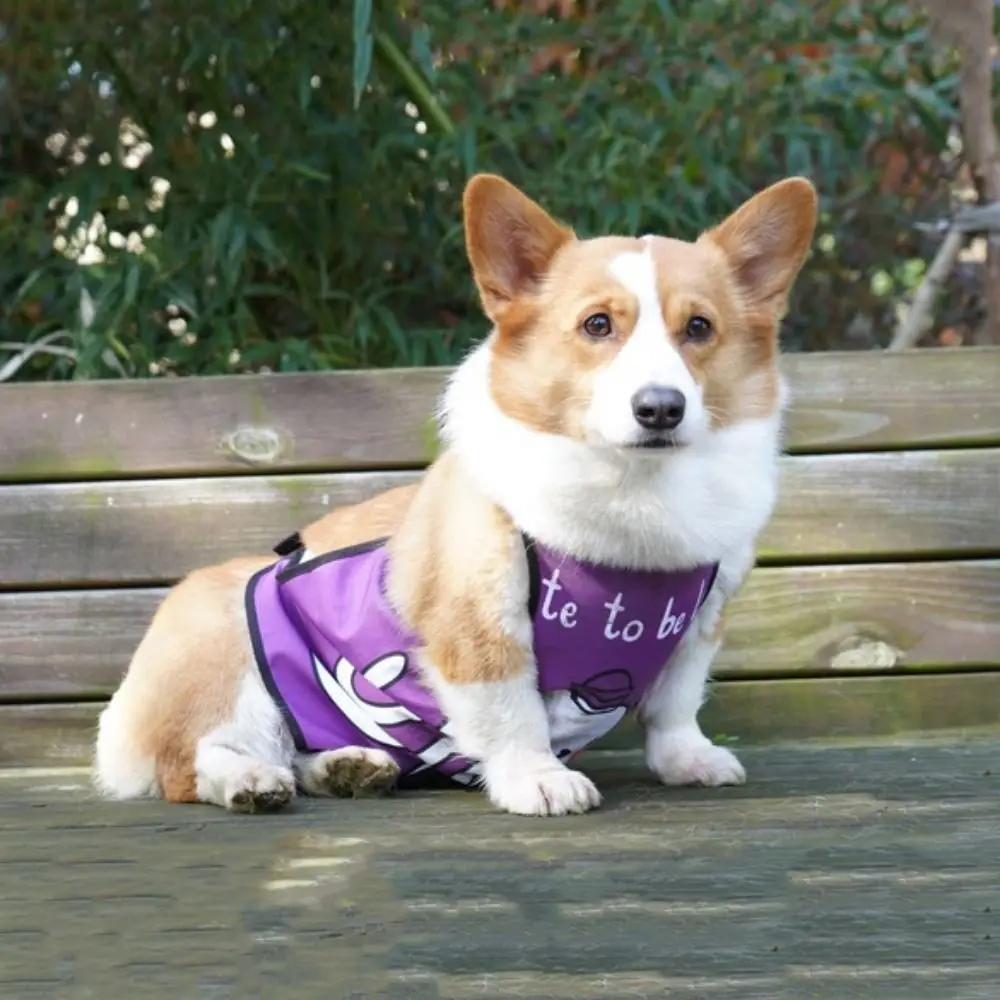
{"points": [[874, 400], [155, 531], [886, 505], [839, 619], [768, 711], [872, 507], [218, 425], [747, 711], [379, 419], [864, 619]]}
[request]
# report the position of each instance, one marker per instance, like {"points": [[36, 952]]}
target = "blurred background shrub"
{"points": [[245, 185]]}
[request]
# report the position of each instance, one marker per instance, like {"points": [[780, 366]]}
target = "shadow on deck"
{"points": [[863, 871]]}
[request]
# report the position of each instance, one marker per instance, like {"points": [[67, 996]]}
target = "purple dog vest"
{"points": [[340, 664]]}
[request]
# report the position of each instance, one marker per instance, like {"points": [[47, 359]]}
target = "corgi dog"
{"points": [[610, 456]]}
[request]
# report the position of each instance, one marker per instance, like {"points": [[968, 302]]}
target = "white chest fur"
{"points": [[669, 511]]}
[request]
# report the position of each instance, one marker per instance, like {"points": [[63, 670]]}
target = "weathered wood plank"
{"points": [[337, 420], [864, 619], [833, 507], [155, 531], [227, 424], [768, 711], [836, 872], [51, 735], [875, 400], [70, 644], [852, 707], [747, 712], [787, 622], [882, 505]]}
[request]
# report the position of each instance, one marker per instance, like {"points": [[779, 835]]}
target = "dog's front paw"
{"points": [[688, 757], [539, 785]]}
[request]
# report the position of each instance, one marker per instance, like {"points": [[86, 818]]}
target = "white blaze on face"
{"points": [[648, 358]]}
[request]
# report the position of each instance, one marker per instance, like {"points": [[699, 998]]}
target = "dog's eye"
{"points": [[597, 326], [698, 329]]}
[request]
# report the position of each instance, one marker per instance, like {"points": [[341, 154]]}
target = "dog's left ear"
{"points": [[767, 239]]}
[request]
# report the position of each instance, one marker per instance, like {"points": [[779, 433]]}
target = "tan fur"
{"points": [[718, 629], [450, 580], [183, 679], [543, 366], [510, 242], [735, 276], [452, 549], [377, 517]]}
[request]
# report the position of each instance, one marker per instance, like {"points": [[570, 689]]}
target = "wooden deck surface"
{"points": [[837, 872]]}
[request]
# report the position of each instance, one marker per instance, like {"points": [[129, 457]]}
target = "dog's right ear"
{"points": [[510, 240]]}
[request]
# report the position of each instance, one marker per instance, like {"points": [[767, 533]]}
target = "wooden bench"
{"points": [[875, 608]]}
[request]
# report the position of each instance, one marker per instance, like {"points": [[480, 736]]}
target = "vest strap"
{"points": [[289, 545]]}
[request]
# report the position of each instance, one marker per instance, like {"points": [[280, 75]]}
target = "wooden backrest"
{"points": [[882, 561]]}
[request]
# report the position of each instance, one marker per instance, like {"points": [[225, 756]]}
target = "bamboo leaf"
{"points": [[363, 44]]}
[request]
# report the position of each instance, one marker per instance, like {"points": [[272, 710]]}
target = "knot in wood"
{"points": [[863, 653], [254, 445]]}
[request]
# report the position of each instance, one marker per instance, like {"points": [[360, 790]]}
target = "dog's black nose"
{"points": [[658, 408]]}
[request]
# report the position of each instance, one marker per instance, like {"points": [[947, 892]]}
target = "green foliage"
{"points": [[315, 156]]}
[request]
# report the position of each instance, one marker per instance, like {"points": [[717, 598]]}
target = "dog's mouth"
{"points": [[655, 442], [649, 442]]}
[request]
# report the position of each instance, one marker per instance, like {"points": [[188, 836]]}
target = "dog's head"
{"points": [[644, 344]]}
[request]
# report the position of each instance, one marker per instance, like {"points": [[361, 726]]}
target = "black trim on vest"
{"points": [[288, 545], [708, 589], [299, 567], [534, 574], [431, 779], [263, 667]]}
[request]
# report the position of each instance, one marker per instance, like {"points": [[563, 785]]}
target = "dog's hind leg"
{"points": [[192, 720], [245, 765]]}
